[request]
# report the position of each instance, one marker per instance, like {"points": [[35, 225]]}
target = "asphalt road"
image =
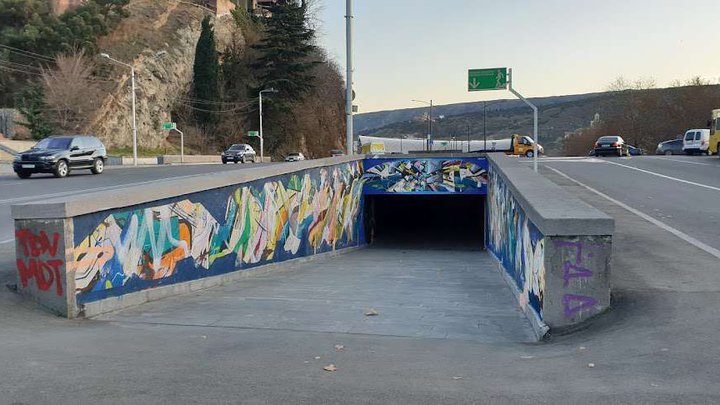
{"points": [[682, 192], [43, 186]]}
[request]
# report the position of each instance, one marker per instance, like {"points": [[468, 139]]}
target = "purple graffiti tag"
{"points": [[578, 248], [584, 303], [571, 271]]}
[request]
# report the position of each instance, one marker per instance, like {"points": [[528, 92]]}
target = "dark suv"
{"points": [[239, 153], [61, 154]]}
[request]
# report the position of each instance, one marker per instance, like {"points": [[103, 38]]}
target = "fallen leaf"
{"points": [[457, 378], [591, 365], [527, 357], [371, 312], [330, 367], [582, 347], [317, 357], [339, 348]]}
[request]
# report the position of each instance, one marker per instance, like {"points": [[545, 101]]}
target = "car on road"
{"points": [[671, 147], [696, 142], [295, 157], [611, 145], [239, 153], [634, 151], [60, 155]]}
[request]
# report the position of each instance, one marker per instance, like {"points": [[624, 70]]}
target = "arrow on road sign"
{"points": [[474, 84]]}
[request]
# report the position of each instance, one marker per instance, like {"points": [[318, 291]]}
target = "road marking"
{"points": [[681, 161], [687, 238], [89, 190], [2, 242], [667, 177]]}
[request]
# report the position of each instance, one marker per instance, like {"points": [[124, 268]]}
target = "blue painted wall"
{"points": [[217, 231], [516, 242], [426, 176]]}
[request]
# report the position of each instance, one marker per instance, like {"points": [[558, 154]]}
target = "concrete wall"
{"points": [[553, 248], [104, 251]]}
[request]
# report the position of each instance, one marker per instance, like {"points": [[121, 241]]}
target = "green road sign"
{"points": [[487, 79], [169, 126], [254, 133]]}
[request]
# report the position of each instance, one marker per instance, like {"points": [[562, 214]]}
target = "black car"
{"points": [[61, 154], [611, 145], [672, 147], [239, 153]]}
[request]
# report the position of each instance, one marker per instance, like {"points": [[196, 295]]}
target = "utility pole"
{"points": [[349, 79], [485, 126], [535, 123], [262, 140], [428, 141], [134, 115]]}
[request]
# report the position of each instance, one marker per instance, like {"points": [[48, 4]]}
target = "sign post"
{"points": [[171, 126], [501, 79]]}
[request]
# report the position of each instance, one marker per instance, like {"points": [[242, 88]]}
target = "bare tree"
{"points": [[71, 93]]}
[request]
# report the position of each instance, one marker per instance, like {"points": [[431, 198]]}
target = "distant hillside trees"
{"points": [[206, 72], [31, 36], [646, 116]]}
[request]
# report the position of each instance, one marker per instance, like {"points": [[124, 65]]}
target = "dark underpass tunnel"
{"points": [[443, 222]]}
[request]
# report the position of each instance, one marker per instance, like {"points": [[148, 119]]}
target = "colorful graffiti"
{"points": [[517, 243], [218, 231], [425, 176]]}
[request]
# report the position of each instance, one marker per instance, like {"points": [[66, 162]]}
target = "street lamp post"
{"points": [[430, 121], [349, 79], [262, 140], [134, 116]]}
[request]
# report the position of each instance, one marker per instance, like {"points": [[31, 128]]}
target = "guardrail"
{"points": [[554, 249]]}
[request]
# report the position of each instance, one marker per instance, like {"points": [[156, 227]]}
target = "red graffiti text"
{"points": [[39, 260]]}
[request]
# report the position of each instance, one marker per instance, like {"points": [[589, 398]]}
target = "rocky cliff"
{"points": [[159, 40]]}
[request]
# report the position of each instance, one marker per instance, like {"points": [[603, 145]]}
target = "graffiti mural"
{"points": [[218, 231], [425, 176], [39, 258], [517, 243]]}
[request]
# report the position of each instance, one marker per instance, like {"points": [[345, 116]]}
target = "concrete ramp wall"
{"points": [[104, 251], [553, 248]]}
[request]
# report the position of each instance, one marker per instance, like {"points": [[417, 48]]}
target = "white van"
{"points": [[696, 141]]}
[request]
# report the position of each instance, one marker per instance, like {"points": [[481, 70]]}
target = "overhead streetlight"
{"points": [[134, 115], [262, 140], [430, 121]]}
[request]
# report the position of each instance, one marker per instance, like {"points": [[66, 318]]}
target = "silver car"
{"points": [[295, 157]]}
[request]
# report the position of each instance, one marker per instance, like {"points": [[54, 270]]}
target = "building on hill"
{"points": [[61, 6]]}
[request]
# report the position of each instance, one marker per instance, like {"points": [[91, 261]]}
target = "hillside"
{"points": [[559, 116]]}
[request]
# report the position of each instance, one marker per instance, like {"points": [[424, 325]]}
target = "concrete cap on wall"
{"points": [[551, 208], [76, 205]]}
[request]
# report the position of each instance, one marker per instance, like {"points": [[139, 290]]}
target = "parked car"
{"points": [[696, 141], [336, 152], [672, 147], [239, 153], [60, 155], [611, 145], [635, 151], [295, 157]]}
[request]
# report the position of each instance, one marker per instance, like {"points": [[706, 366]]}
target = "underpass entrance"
{"points": [[436, 222]]}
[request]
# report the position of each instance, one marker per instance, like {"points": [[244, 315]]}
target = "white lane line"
{"points": [[2, 242], [681, 161], [687, 238], [666, 177], [89, 190]]}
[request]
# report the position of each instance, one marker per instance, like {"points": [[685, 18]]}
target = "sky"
{"points": [[422, 49]]}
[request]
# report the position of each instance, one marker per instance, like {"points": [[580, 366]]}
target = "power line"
{"points": [[27, 54]]}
